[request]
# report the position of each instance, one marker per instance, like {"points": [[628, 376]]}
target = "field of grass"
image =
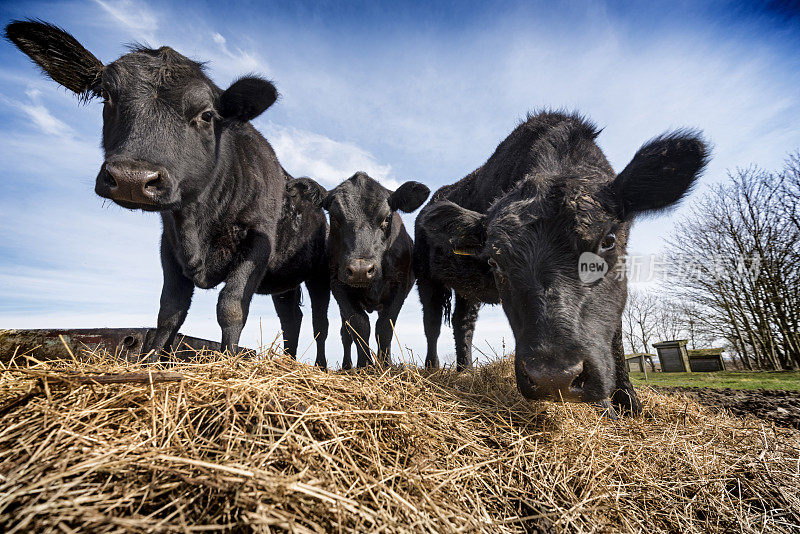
{"points": [[728, 379]]}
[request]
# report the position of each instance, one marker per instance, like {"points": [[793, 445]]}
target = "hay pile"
{"points": [[274, 445]]}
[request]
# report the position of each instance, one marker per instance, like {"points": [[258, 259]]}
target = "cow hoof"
{"points": [[150, 357], [626, 401], [607, 409]]}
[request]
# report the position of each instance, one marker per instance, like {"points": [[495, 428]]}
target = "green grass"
{"points": [[726, 379]]}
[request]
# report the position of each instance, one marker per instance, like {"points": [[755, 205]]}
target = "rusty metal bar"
{"points": [[124, 343]]}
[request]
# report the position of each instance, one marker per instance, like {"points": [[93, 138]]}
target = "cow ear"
{"points": [[464, 230], [409, 196], [58, 54], [247, 98], [310, 190], [661, 173]]}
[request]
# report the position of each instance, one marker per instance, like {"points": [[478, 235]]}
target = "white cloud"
{"points": [[233, 62], [45, 120], [39, 114], [46, 151], [310, 154], [140, 20], [136, 17]]}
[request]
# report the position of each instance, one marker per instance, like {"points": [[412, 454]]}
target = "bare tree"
{"points": [[639, 321], [742, 247], [670, 319]]}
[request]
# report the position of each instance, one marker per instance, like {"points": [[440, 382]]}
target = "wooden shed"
{"points": [[706, 360], [674, 356], [636, 362]]}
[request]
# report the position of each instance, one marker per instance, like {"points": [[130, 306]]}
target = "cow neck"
{"points": [[216, 208]]}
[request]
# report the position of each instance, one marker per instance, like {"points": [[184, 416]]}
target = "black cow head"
{"points": [[364, 221], [163, 118], [536, 240]]}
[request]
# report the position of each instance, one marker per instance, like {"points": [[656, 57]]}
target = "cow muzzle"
{"points": [[539, 379], [360, 273], [134, 185]]}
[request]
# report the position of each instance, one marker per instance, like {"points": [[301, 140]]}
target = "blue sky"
{"points": [[402, 90]]}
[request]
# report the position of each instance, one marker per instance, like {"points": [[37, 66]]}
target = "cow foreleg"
{"points": [[624, 398], [320, 293], [434, 300], [465, 314], [384, 327], [383, 337], [287, 306], [233, 304], [176, 297], [347, 345], [358, 323], [355, 328]]}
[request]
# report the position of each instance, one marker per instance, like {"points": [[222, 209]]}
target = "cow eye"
{"points": [[608, 242], [386, 222], [207, 116]]}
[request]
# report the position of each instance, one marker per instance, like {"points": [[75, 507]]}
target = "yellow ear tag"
{"points": [[462, 252]]}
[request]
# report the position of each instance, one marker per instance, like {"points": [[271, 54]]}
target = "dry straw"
{"points": [[267, 445]]}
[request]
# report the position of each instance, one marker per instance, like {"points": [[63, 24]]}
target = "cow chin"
{"points": [[165, 204], [134, 206], [357, 285]]}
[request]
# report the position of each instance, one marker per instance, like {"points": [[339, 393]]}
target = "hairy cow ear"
{"points": [[247, 98], [58, 54], [409, 196], [661, 173], [463, 229], [310, 190]]}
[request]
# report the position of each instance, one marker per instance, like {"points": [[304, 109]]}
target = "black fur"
{"points": [[512, 232], [660, 174], [177, 144], [58, 54], [409, 197], [247, 98], [367, 230]]}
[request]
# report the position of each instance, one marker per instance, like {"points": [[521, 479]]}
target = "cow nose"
{"points": [[360, 272], [133, 183], [556, 382]]}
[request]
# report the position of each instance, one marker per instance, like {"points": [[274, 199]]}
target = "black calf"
{"points": [[517, 230], [369, 255], [177, 144]]}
